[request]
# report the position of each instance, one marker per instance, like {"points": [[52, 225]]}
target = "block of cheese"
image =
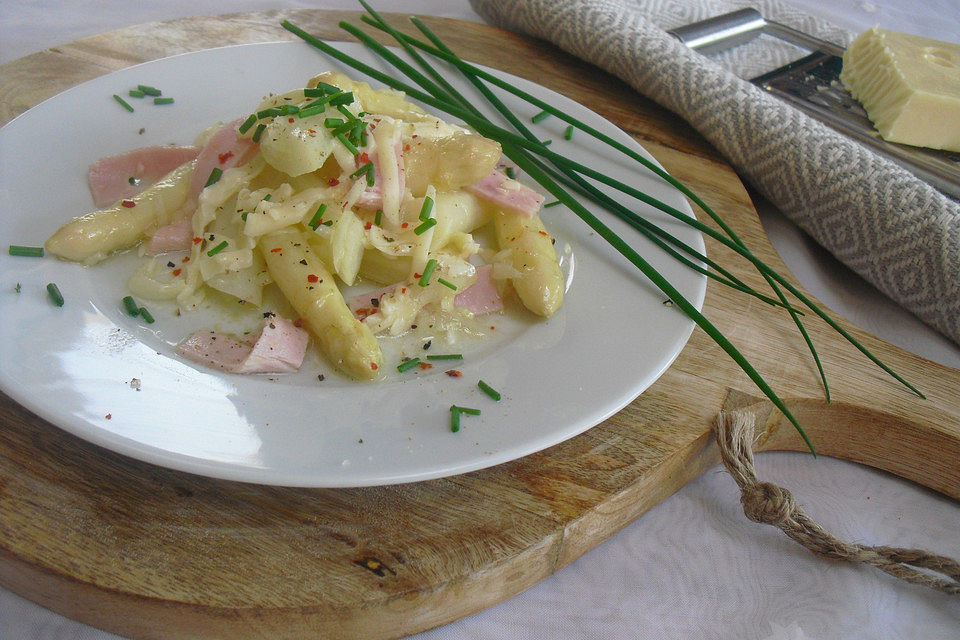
{"points": [[909, 86]]}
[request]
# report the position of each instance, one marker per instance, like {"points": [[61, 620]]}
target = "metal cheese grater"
{"points": [[812, 84]]}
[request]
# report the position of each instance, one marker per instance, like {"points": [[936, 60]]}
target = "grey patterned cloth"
{"points": [[894, 230]]}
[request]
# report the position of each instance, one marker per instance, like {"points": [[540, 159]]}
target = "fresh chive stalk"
{"points": [[445, 356], [146, 315], [163, 101], [148, 90], [518, 148]]}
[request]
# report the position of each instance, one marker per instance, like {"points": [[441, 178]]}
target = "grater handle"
{"points": [[739, 27], [721, 32]]}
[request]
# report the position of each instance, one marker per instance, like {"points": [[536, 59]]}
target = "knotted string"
{"points": [[769, 504]]}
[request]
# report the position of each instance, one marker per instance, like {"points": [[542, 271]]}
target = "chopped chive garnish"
{"points": [[546, 143], [150, 91], [55, 296], [511, 173], [163, 101], [378, 217], [490, 391], [249, 122], [313, 108], [342, 98], [131, 305], [315, 221], [425, 225], [428, 270], [146, 315], [407, 365], [268, 113], [446, 356], [454, 418], [214, 177], [346, 112], [258, 132], [568, 133], [469, 411], [32, 252], [426, 208], [243, 216], [217, 249], [551, 204], [365, 169], [316, 92], [447, 284], [543, 115], [124, 103], [342, 129], [267, 197], [289, 109], [329, 88], [330, 123], [133, 93], [349, 145]]}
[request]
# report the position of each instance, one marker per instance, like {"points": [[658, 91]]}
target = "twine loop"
{"points": [[767, 503]]}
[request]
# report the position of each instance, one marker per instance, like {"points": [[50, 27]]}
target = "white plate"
{"points": [[74, 365]]}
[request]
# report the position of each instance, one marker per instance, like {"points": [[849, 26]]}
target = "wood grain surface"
{"points": [[147, 552]]}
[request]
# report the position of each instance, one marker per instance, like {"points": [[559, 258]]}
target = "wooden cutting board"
{"points": [[148, 552]]}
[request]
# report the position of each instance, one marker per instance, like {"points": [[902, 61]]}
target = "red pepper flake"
{"points": [[290, 119], [417, 276], [426, 365], [406, 147], [298, 323], [197, 240], [364, 158], [186, 259], [403, 290], [109, 416], [365, 312], [223, 157], [404, 225], [453, 373], [368, 226], [311, 131], [373, 366], [276, 249], [333, 182], [312, 278], [177, 272], [129, 204], [415, 136], [544, 233]]}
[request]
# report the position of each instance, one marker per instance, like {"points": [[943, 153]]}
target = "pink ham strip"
{"points": [[372, 197], [109, 177], [482, 296], [507, 194], [225, 149], [280, 348], [176, 236]]}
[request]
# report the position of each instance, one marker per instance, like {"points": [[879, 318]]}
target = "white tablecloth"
{"points": [[693, 567]]}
